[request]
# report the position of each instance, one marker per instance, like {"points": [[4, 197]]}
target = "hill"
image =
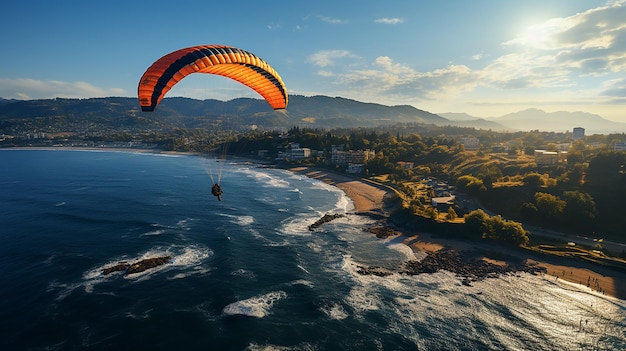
{"points": [[123, 113], [117, 112], [535, 119], [560, 121]]}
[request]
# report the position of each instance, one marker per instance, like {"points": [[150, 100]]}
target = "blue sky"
{"points": [[485, 58]]}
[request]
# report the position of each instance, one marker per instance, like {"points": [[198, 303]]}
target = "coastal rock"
{"points": [[382, 232], [373, 270], [138, 266], [121, 266], [325, 219], [466, 264]]}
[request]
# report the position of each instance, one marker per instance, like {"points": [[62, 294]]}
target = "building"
{"points": [[443, 203], [355, 168], [295, 152], [300, 153], [405, 165], [543, 157], [579, 133], [470, 143], [619, 146], [340, 157]]}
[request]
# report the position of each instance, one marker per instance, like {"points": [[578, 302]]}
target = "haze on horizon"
{"points": [[484, 58]]}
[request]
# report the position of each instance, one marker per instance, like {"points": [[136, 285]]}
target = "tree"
{"points": [[575, 175], [575, 157], [548, 205], [496, 228], [470, 184], [451, 214], [533, 179], [489, 174], [476, 222], [529, 150], [607, 167], [580, 207]]}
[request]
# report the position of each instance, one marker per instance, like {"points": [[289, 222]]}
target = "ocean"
{"points": [[245, 273]]}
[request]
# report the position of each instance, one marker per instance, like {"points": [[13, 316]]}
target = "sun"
{"points": [[535, 36]]}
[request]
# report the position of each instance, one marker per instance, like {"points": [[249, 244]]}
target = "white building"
{"points": [[339, 157], [543, 157], [619, 146], [295, 154]]}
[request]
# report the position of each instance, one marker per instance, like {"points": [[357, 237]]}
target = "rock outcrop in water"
{"points": [[137, 267], [382, 232], [466, 264], [325, 219]]}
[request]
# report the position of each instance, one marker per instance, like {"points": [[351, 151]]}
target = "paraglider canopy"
{"points": [[222, 60]]}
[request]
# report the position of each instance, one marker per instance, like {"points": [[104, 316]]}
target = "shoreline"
{"points": [[368, 198]]}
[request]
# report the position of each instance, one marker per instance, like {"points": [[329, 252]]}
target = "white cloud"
{"points": [[325, 73], [24, 89], [386, 20], [615, 88], [329, 57], [332, 20], [560, 60], [386, 77], [273, 26], [558, 52]]}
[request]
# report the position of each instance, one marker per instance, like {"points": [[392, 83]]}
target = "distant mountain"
{"points": [[315, 111], [122, 113], [561, 121], [469, 121], [341, 112], [455, 116]]}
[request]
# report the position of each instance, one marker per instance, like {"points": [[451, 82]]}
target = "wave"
{"points": [[265, 178], [298, 224], [154, 232], [300, 347], [242, 220], [258, 306], [159, 229], [244, 273], [487, 315], [334, 310], [188, 259]]}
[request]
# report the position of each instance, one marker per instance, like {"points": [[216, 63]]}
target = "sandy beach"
{"points": [[367, 197]]}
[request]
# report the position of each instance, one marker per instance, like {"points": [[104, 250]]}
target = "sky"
{"points": [[486, 58]]}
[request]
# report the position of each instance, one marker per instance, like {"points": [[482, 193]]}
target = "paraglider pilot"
{"points": [[216, 190]]}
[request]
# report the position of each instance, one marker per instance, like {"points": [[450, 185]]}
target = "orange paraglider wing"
{"points": [[222, 60]]}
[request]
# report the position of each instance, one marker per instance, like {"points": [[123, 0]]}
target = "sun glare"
{"points": [[535, 36]]}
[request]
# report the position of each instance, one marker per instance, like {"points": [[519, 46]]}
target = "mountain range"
{"points": [[313, 111], [535, 119]]}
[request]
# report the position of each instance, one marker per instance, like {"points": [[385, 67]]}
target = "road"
{"points": [[611, 246]]}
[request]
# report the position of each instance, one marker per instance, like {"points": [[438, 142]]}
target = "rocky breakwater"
{"points": [[137, 267], [468, 265], [325, 219]]}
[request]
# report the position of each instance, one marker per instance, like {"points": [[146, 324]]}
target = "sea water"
{"points": [[245, 273]]}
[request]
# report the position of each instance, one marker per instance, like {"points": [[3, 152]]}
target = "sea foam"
{"points": [[258, 306]]}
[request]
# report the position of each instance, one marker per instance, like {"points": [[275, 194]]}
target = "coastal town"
{"points": [[409, 186]]}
